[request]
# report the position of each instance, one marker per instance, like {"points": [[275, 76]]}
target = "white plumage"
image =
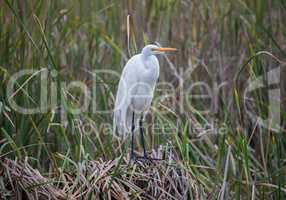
{"points": [[136, 88]]}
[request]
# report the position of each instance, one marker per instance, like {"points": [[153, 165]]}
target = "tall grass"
{"points": [[73, 38]]}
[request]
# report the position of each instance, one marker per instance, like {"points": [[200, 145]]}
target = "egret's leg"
{"points": [[142, 136], [132, 137]]}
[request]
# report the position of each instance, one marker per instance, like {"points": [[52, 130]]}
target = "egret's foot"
{"points": [[148, 158], [134, 158]]}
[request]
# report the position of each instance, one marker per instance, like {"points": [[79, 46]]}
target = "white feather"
{"points": [[135, 90]]}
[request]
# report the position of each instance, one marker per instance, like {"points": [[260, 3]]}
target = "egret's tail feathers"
{"points": [[119, 123]]}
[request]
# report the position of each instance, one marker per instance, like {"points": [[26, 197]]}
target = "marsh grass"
{"points": [[52, 156]]}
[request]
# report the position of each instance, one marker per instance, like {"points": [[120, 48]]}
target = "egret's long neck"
{"points": [[147, 60], [145, 54]]}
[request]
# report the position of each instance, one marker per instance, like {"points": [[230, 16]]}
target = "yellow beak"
{"points": [[165, 49]]}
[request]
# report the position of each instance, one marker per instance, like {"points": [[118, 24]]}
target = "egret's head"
{"points": [[153, 49]]}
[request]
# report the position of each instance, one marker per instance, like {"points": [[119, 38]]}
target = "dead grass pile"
{"points": [[20, 181], [115, 179]]}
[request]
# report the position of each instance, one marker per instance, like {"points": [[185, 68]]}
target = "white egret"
{"points": [[135, 92]]}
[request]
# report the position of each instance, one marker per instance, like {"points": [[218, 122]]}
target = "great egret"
{"points": [[135, 92]]}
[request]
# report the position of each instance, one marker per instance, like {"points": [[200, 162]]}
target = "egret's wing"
{"points": [[122, 114]]}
